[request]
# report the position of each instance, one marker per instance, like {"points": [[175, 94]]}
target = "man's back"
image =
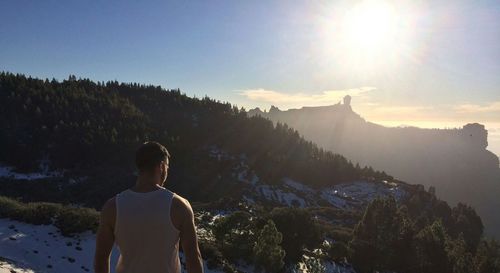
{"points": [[147, 222], [144, 232]]}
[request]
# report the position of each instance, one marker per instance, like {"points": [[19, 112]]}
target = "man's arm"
{"points": [[105, 237], [189, 242]]}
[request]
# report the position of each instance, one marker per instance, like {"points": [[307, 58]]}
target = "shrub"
{"points": [[39, 213], [68, 220], [296, 237], [77, 220], [210, 253], [235, 233], [228, 268], [338, 251], [10, 208]]}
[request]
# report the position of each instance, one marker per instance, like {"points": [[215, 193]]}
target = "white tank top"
{"points": [[147, 239]]}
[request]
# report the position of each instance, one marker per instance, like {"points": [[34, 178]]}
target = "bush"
{"points": [[305, 234], [210, 253], [77, 220], [235, 233], [39, 213], [68, 220], [338, 251], [10, 208], [228, 268], [340, 233]]}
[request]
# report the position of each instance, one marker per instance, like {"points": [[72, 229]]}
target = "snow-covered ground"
{"points": [[343, 196], [26, 248], [297, 186], [43, 249], [332, 267], [294, 193], [8, 172], [356, 193], [281, 195], [8, 266]]}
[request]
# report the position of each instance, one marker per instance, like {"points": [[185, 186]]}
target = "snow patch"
{"points": [[332, 197], [273, 193], [329, 266], [297, 186], [248, 200], [8, 266], [7, 172], [28, 248], [43, 249], [358, 193]]}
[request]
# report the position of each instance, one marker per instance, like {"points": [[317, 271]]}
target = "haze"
{"points": [[428, 64]]}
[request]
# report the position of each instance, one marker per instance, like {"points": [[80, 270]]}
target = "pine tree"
{"points": [[461, 260], [267, 250], [487, 258], [377, 237], [430, 245]]}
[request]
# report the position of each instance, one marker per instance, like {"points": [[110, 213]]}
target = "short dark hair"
{"points": [[150, 154]]}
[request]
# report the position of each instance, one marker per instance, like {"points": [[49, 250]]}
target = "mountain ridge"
{"points": [[453, 161]]}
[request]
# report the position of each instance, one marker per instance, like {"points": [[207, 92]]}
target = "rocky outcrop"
{"points": [[455, 161]]}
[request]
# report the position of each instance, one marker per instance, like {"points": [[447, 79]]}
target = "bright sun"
{"points": [[368, 36], [370, 27]]}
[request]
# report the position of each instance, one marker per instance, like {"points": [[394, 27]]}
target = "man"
{"points": [[147, 222]]}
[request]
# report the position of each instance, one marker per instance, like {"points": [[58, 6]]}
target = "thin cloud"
{"points": [[403, 109], [370, 104], [398, 112], [477, 108], [325, 97]]}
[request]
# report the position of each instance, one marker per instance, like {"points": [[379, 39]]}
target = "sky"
{"points": [[423, 63]]}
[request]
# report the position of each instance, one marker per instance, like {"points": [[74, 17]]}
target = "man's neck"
{"points": [[145, 184]]}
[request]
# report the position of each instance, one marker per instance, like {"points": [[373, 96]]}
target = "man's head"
{"points": [[152, 159]]}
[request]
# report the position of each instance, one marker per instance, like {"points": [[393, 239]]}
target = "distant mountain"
{"points": [[455, 162]]}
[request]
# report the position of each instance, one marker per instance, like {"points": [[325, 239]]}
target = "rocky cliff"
{"points": [[454, 161]]}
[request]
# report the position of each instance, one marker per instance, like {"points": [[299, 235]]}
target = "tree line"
{"points": [[88, 127]]}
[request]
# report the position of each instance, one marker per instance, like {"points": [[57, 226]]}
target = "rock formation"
{"points": [[454, 161]]}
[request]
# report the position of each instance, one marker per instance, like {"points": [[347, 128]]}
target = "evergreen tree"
{"points": [[235, 233], [300, 230], [267, 250], [487, 258], [430, 244], [462, 261], [380, 240], [468, 223]]}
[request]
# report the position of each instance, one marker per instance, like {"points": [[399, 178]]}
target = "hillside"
{"points": [[71, 144], [91, 130], [455, 162]]}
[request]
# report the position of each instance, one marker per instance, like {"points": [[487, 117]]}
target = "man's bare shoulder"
{"points": [[110, 205], [108, 211], [181, 204], [181, 211]]}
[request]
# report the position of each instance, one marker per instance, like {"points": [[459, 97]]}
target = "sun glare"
{"points": [[368, 36], [370, 26]]}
